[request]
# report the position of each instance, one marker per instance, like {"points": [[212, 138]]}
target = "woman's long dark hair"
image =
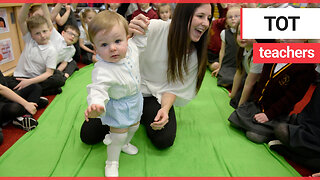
{"points": [[180, 44]]}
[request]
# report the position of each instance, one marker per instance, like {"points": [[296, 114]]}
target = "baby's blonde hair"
{"points": [[106, 20]]}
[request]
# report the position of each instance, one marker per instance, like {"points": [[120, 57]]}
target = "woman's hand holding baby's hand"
{"points": [[138, 25]]}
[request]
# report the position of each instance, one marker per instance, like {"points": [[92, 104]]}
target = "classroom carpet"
{"points": [[205, 145]]}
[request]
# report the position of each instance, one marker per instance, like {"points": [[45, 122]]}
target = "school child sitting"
{"points": [[38, 59], [280, 87], [66, 66], [247, 71], [64, 45], [146, 10], [66, 16], [214, 45], [87, 53], [299, 138], [19, 106], [114, 94], [228, 51]]}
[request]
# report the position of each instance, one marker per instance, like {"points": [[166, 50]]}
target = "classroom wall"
{"points": [[11, 43]]}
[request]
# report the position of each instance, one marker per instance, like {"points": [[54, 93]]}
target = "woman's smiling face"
{"points": [[200, 22]]}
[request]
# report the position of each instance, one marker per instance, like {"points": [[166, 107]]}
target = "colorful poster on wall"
{"points": [[4, 25], [6, 52]]}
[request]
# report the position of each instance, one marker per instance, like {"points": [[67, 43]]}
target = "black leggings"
{"points": [[93, 131], [11, 110], [52, 83], [31, 93], [71, 68]]}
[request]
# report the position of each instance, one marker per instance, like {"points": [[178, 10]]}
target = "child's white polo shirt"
{"points": [[35, 58], [65, 52]]}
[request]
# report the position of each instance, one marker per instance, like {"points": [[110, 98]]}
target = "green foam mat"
{"points": [[205, 144]]}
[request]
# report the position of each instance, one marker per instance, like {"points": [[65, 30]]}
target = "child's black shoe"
{"points": [[43, 102], [25, 122]]}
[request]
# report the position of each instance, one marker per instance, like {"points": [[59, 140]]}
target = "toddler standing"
{"points": [[114, 94]]}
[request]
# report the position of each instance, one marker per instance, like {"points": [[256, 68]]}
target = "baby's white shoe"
{"points": [[129, 149], [111, 169]]}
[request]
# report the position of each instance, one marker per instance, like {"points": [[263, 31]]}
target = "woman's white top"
{"points": [[154, 64]]}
